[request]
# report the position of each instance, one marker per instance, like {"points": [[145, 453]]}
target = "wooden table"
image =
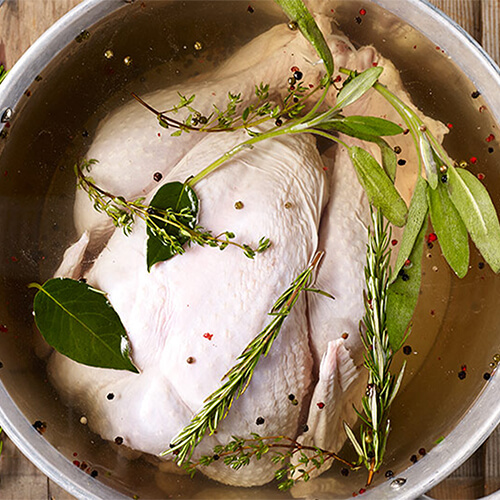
{"points": [[21, 23]]}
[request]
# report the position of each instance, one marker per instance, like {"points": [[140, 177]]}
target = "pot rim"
{"points": [[479, 421]]}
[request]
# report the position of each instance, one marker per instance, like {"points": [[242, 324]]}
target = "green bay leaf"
{"points": [[417, 214], [79, 322], [403, 292], [450, 229], [297, 12], [378, 186], [173, 196], [478, 213]]}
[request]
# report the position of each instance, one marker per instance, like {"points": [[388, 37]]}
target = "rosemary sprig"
{"points": [[382, 384], [237, 379], [239, 452], [123, 212]]}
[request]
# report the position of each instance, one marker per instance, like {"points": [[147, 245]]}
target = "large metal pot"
{"points": [[433, 403]]}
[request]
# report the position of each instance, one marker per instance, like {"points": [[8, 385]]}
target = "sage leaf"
{"points": [[402, 294], [450, 229], [417, 214], [478, 213], [297, 12], [357, 87], [429, 161], [389, 158], [79, 322], [367, 128], [379, 188], [165, 240]]}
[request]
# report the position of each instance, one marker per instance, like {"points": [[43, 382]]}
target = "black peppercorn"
{"points": [[407, 350], [259, 421], [157, 176], [487, 376], [110, 396], [298, 75], [344, 471], [414, 459], [118, 440], [461, 374], [401, 162]]}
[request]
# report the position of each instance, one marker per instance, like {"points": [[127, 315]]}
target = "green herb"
{"points": [[476, 209], [298, 13], [79, 322], [239, 453], [382, 385], [171, 219], [238, 378], [449, 228], [403, 292]]}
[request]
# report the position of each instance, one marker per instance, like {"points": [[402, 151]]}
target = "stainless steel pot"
{"points": [[464, 415]]}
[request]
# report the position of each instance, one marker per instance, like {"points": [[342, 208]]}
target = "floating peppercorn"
{"points": [[157, 176], [1, 365], [345, 336], [496, 358], [401, 162], [480, 265], [462, 374], [40, 426], [397, 149], [291, 81], [475, 94], [278, 122], [358, 19], [298, 75], [238, 205], [110, 396], [250, 9], [422, 451], [444, 178], [490, 150], [407, 350], [85, 133], [259, 421], [413, 459], [94, 473], [305, 428], [344, 472], [190, 360], [320, 405], [487, 376], [389, 473], [405, 277], [292, 25], [291, 397], [216, 457], [118, 440], [370, 454]]}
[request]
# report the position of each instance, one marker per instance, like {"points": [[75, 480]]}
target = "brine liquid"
{"points": [[150, 45]]}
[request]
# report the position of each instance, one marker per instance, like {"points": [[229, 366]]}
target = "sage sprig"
{"points": [[237, 379]]}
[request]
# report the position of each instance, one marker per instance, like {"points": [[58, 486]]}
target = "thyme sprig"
{"points": [[239, 452], [123, 213], [237, 379], [382, 384], [232, 118]]}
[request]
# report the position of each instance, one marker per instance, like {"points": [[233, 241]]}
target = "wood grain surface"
{"points": [[21, 23]]}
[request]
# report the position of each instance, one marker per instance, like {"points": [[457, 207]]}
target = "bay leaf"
{"points": [[297, 12], [378, 186], [79, 322], [473, 203], [173, 196], [403, 292], [417, 213], [357, 87], [450, 229]]}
